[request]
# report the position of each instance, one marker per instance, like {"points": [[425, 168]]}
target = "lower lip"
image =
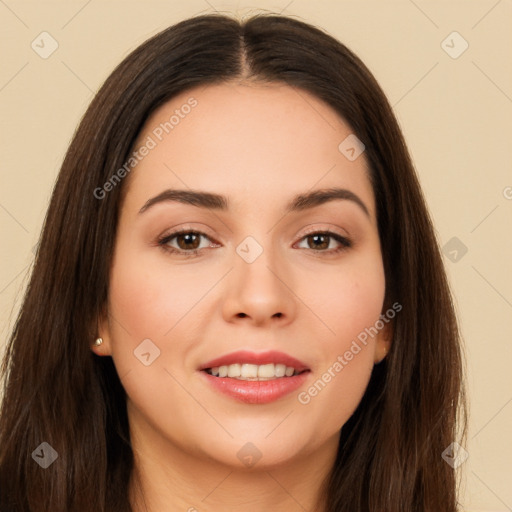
{"points": [[256, 392]]}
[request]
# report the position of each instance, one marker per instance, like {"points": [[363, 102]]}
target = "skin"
{"points": [[258, 144]]}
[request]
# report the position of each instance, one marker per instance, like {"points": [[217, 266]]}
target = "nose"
{"points": [[259, 293]]}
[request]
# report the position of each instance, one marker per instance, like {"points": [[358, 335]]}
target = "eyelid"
{"points": [[172, 231], [330, 227]]}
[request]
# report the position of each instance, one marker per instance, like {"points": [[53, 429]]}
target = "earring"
{"points": [[98, 341]]}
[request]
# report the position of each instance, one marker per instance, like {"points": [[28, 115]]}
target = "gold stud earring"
{"points": [[98, 342]]}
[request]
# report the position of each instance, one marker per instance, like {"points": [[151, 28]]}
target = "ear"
{"points": [[383, 342], [103, 332]]}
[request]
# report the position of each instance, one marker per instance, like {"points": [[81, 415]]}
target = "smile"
{"points": [[253, 372], [255, 378]]}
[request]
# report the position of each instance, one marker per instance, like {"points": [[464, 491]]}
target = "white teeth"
{"points": [[234, 370], [245, 371], [280, 370], [249, 371], [266, 370]]}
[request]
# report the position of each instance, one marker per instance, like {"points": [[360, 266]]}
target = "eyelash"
{"points": [[163, 241]]}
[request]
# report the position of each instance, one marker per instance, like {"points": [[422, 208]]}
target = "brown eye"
{"points": [[321, 241], [184, 242], [318, 241], [189, 240]]}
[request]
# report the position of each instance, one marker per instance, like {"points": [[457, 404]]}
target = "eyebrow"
{"points": [[221, 203]]}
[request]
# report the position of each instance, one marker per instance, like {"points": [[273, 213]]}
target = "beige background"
{"points": [[456, 114]]}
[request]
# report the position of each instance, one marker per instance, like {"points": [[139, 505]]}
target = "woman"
{"points": [[238, 300]]}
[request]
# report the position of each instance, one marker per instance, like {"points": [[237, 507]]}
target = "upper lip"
{"points": [[258, 358]]}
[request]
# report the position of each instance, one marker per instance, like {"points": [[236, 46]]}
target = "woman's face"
{"points": [[253, 286]]}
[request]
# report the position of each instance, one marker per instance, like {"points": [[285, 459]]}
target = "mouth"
{"points": [[255, 378], [253, 372]]}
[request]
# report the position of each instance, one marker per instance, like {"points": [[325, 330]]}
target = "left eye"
{"points": [[321, 240]]}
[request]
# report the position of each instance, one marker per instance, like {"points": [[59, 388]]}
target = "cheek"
{"points": [[350, 308], [149, 308], [346, 300], [150, 302], [147, 302], [355, 305]]}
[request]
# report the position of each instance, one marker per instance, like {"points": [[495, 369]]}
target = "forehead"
{"points": [[246, 141]]}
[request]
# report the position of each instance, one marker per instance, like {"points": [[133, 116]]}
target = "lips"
{"points": [[238, 375], [243, 356]]}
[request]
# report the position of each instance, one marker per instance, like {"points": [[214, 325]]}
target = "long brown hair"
{"points": [[57, 391]]}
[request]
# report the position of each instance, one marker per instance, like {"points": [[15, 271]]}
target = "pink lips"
{"points": [[244, 356], [256, 392]]}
